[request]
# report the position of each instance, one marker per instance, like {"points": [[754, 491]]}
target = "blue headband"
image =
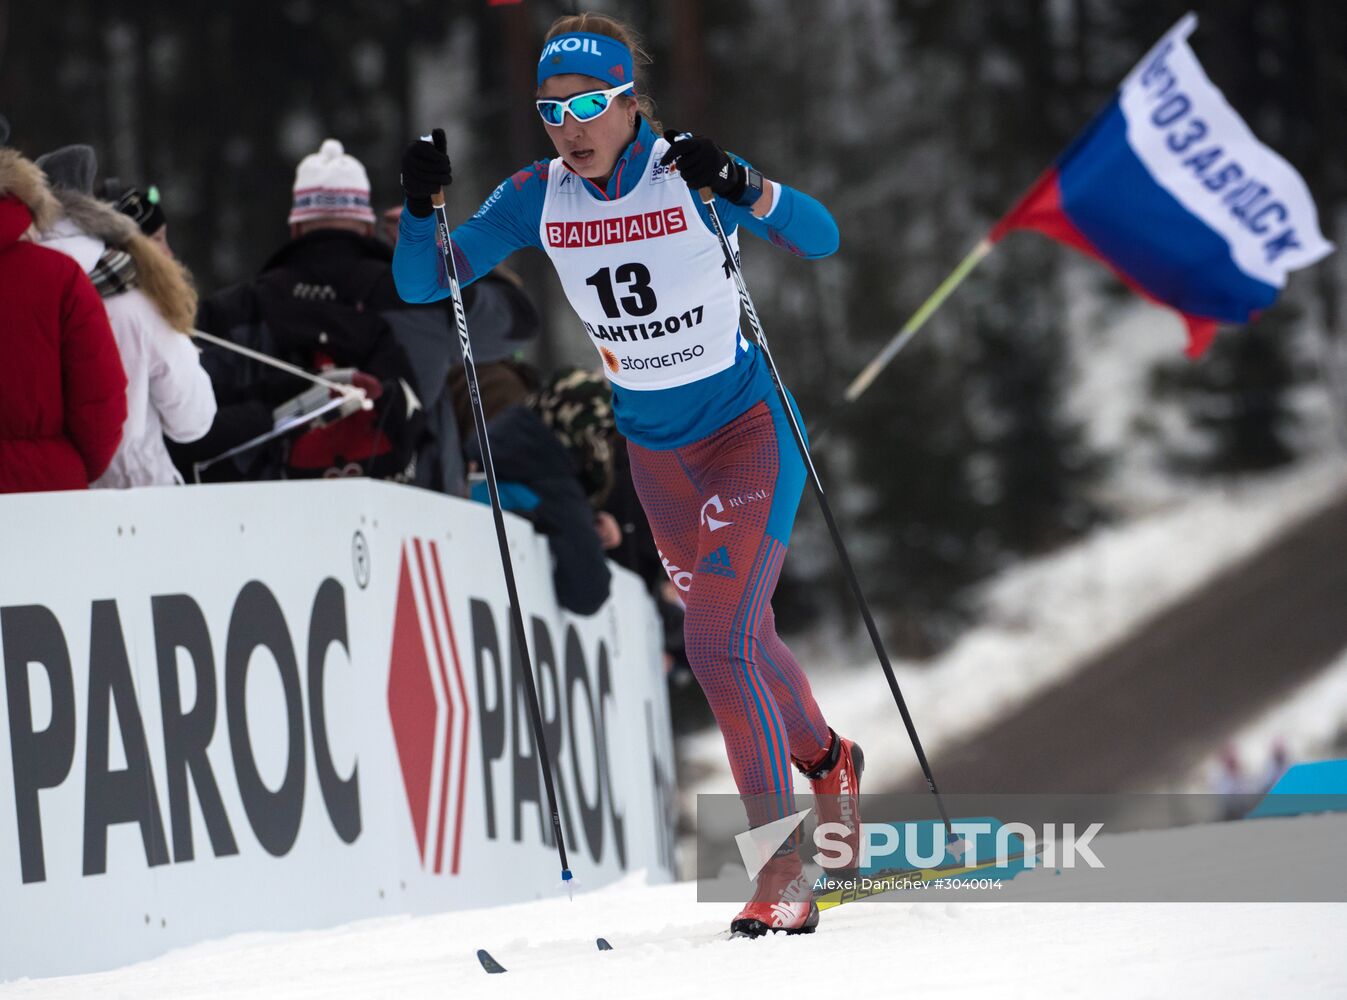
{"points": [[588, 54]]}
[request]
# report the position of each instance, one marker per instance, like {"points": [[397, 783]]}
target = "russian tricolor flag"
{"points": [[1170, 188]]}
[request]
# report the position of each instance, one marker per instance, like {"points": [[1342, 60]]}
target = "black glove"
{"points": [[425, 170], [704, 164]]}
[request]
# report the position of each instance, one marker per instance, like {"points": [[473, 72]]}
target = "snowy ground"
{"points": [[1045, 618], [668, 945]]}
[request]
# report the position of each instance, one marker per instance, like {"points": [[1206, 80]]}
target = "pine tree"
{"points": [[1237, 398], [1031, 469]]}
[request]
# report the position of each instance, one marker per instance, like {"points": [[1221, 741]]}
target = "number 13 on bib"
{"points": [[646, 277]]}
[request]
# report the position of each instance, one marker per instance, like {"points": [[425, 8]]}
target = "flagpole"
{"points": [[956, 277], [904, 336], [966, 266]]}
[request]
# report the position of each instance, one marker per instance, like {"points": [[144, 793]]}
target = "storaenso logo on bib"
{"points": [[663, 360]]}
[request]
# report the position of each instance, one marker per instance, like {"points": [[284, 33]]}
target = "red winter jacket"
{"points": [[62, 388]]}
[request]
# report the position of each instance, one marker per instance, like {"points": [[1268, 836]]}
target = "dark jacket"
{"points": [[638, 551], [62, 387], [327, 299], [527, 454]]}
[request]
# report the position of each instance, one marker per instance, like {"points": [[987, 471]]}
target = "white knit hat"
{"points": [[331, 185]]}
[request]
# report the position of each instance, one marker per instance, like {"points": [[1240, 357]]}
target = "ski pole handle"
{"points": [[437, 139]]}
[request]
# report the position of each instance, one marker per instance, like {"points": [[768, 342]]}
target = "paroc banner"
{"points": [[292, 705]]}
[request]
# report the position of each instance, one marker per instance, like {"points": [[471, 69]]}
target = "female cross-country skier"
{"points": [[712, 454]]}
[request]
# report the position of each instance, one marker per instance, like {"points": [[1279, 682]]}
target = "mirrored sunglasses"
{"points": [[582, 107]]}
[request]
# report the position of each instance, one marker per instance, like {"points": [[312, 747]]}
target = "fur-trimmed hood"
{"points": [[23, 179], [95, 218], [166, 282]]}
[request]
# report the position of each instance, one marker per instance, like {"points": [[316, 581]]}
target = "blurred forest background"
{"points": [[918, 122]]}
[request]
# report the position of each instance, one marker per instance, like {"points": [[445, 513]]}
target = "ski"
{"points": [[493, 967]]}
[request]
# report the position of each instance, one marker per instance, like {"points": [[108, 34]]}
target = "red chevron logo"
{"points": [[428, 708]]}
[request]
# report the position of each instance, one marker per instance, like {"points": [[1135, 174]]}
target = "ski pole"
{"points": [[903, 337], [747, 302], [516, 614], [271, 435], [937, 298], [352, 391]]}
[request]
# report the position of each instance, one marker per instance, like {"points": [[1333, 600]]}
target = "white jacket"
{"points": [[167, 393], [167, 390]]}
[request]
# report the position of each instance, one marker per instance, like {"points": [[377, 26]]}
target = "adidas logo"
{"points": [[724, 171], [717, 563]]}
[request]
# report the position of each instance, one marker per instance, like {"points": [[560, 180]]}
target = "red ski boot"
{"points": [[782, 901], [836, 783]]}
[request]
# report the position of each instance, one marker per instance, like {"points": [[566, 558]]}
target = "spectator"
{"points": [[577, 406], [150, 304], [1279, 759], [142, 208], [1233, 784], [553, 464], [388, 224], [325, 301], [62, 388], [501, 320]]}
